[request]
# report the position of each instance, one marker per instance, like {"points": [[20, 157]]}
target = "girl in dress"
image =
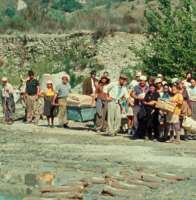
{"points": [[50, 110]]}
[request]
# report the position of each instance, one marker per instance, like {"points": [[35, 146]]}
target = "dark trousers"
{"points": [[101, 114], [152, 126], [148, 125]]}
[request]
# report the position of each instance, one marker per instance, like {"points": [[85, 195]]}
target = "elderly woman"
{"points": [[7, 100], [50, 110]]}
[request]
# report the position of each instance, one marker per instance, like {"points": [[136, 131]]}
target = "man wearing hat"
{"points": [[138, 94], [159, 85], [62, 92], [89, 84], [135, 81], [32, 93], [116, 92], [7, 100]]}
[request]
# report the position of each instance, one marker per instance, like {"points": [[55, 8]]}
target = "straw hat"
{"points": [[160, 76], [49, 82], [65, 75], [4, 79]]}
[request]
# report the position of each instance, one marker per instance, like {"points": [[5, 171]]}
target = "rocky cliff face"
{"points": [[113, 51]]}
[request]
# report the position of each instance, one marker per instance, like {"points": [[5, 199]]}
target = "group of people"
{"points": [[136, 102], [133, 101], [55, 100]]}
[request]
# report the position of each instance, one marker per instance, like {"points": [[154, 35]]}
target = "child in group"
{"points": [[50, 110], [173, 119]]}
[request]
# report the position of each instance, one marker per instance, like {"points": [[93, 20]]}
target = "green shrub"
{"points": [[171, 39]]}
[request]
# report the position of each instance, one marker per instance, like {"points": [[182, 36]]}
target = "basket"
{"points": [[166, 106]]}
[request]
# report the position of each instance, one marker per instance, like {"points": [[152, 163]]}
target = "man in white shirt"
{"points": [[116, 91], [7, 100]]}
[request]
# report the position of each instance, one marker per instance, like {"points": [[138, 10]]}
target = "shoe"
{"points": [[65, 126], [130, 132]]}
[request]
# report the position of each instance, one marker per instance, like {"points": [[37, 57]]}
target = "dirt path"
{"points": [[66, 164]]}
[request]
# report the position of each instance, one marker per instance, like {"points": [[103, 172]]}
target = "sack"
{"points": [[165, 105], [80, 100], [189, 124]]}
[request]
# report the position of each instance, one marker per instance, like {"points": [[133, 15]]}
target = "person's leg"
{"points": [[48, 120], [29, 104], [136, 109], [36, 110], [99, 117], [52, 121], [61, 115], [171, 133], [130, 125], [177, 129], [156, 126], [104, 116], [117, 118], [111, 117], [65, 112]]}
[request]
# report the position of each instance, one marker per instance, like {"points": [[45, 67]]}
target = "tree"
{"points": [[170, 45]]}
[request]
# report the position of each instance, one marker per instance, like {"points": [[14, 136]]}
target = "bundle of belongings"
{"points": [[190, 125], [79, 100], [166, 106]]}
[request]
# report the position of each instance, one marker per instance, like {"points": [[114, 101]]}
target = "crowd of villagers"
{"points": [[115, 100]]}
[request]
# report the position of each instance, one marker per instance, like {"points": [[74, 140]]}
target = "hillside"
{"points": [[45, 16]]}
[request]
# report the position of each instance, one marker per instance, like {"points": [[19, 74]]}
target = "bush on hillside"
{"points": [[170, 47]]}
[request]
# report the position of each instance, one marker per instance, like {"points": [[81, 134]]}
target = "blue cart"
{"points": [[81, 114]]}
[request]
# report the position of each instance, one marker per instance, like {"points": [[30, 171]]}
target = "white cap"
{"points": [[65, 75], [174, 80], [164, 83], [143, 78], [158, 80], [160, 76], [4, 79], [49, 82]]}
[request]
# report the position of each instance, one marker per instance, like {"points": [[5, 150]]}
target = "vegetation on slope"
{"points": [[45, 16]]}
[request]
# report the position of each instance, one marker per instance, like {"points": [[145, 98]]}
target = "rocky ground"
{"points": [[40, 163]]}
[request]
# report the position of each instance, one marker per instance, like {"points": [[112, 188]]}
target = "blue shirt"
{"points": [[63, 90]]}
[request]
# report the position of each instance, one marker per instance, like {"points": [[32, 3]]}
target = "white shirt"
{"points": [[133, 84], [7, 90], [116, 91], [192, 93]]}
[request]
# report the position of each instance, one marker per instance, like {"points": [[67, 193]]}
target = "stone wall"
{"points": [[31, 48], [112, 51]]}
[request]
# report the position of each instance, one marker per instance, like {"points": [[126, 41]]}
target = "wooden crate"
{"points": [[166, 105], [81, 114]]}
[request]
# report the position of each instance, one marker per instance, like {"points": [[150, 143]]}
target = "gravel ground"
{"points": [[40, 163]]}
